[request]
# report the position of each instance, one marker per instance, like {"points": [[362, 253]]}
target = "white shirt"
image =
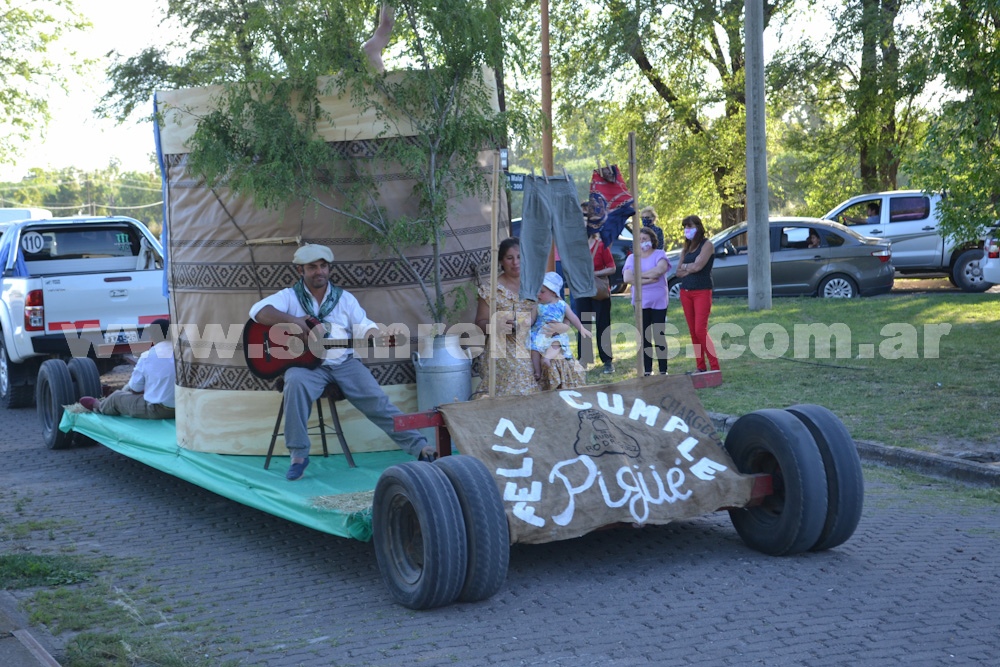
{"points": [[154, 376], [347, 320]]}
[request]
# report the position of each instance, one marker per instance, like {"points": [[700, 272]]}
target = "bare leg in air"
{"points": [[374, 46]]}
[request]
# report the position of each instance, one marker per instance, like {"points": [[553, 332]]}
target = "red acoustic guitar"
{"points": [[270, 350], [271, 353]]}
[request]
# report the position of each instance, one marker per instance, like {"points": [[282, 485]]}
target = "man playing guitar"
{"points": [[315, 298]]}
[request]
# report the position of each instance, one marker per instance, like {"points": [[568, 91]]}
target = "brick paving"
{"points": [[918, 584]]}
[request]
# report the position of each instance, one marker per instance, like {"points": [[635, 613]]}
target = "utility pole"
{"points": [[758, 228]]}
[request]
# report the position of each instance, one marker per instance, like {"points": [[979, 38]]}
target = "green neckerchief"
{"points": [[306, 300]]}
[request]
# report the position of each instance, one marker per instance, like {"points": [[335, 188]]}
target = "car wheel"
{"points": [[838, 286], [967, 274], [790, 520], [845, 484], [485, 526], [419, 535], [674, 286], [15, 392], [53, 391]]}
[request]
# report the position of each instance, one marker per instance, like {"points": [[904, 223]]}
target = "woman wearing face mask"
{"points": [[653, 267], [695, 273]]}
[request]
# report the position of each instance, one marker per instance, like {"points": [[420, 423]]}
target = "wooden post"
{"points": [[758, 227], [491, 375], [636, 252]]}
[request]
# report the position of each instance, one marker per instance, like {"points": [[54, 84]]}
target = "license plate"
{"points": [[121, 337]]}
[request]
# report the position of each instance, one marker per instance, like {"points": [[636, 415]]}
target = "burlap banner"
{"points": [[567, 462]]}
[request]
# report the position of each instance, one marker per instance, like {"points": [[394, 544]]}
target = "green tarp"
{"points": [[331, 498]]}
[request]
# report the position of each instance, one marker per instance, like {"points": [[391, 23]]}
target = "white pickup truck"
{"points": [[73, 287], [910, 218]]}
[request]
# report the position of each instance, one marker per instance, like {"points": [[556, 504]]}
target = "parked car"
{"points": [[73, 287], [991, 260], [844, 265], [621, 248], [910, 219]]}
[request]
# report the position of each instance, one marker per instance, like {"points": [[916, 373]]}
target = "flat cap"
{"points": [[312, 252]]}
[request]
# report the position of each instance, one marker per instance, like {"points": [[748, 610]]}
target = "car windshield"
{"points": [[729, 231]]}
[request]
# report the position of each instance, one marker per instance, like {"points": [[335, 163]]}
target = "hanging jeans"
{"points": [[551, 209]]}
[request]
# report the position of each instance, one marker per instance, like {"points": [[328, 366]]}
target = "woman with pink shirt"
{"points": [[653, 267]]}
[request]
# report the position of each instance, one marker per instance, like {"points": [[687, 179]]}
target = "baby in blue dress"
{"points": [[551, 309]]}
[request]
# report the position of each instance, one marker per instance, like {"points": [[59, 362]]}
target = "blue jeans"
{"points": [[304, 386], [551, 209]]}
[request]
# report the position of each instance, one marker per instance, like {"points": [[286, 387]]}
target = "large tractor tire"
{"points": [[791, 519], [86, 377], [419, 535], [53, 391], [486, 531], [845, 484]]}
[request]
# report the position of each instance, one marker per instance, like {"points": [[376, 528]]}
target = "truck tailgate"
{"points": [[102, 301]]}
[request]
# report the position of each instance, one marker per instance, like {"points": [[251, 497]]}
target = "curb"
{"points": [[18, 647], [925, 463]]}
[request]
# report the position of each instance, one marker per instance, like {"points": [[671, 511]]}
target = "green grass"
{"points": [[111, 628], [909, 402], [29, 570]]}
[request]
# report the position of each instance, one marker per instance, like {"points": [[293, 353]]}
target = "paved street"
{"points": [[918, 584]]}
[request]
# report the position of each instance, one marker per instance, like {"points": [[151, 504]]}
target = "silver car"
{"points": [[843, 265]]}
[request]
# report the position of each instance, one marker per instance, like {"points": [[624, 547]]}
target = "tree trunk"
{"points": [[878, 89]]}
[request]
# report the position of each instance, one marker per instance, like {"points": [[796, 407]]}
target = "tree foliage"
{"points": [[961, 156], [72, 191], [849, 101], [675, 71], [29, 72]]}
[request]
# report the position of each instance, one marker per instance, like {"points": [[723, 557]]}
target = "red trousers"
{"points": [[697, 305]]}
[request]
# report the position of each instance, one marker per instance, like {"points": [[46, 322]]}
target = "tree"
{"points": [[29, 40], [961, 156], [108, 191], [849, 100], [679, 66], [276, 59]]}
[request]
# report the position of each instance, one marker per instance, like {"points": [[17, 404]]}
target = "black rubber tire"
{"points": [[53, 390], [790, 520], [86, 377], [419, 535], [845, 484], [838, 286], [486, 530], [966, 272], [15, 392]]}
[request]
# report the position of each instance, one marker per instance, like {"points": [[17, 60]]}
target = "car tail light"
{"points": [[34, 311], [883, 255], [993, 248]]}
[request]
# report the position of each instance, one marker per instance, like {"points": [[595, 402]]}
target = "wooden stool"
{"points": [[332, 394]]}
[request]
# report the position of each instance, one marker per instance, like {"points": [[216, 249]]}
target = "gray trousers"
{"points": [[552, 208], [304, 386], [129, 404]]}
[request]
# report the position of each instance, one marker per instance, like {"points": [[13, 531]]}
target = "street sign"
{"points": [[515, 182]]}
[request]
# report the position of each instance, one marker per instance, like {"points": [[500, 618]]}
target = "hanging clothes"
{"points": [[611, 203], [551, 209]]}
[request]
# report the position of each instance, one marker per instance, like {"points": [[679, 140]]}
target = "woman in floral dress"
{"points": [[514, 373]]}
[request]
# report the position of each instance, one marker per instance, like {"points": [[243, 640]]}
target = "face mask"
{"points": [[689, 232], [645, 245]]}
